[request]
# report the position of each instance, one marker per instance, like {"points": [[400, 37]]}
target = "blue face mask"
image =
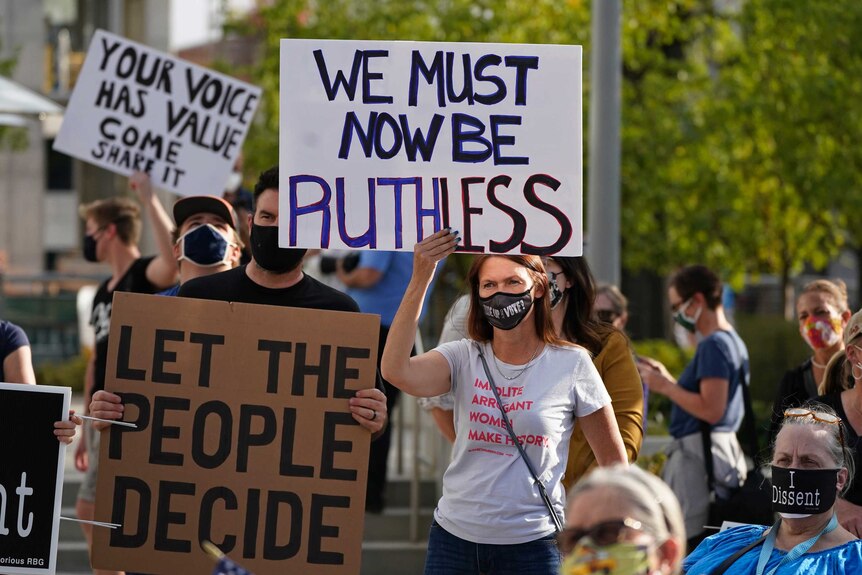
{"points": [[204, 246]]}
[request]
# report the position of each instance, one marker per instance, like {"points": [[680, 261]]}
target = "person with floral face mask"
{"points": [[843, 393], [622, 521], [811, 468], [707, 396], [822, 312], [518, 389]]}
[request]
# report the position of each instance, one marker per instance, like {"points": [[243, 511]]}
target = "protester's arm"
{"points": [[707, 405], [603, 435], [162, 271], [850, 516], [81, 462], [428, 374], [18, 366], [445, 420], [65, 430], [369, 271], [358, 278]]}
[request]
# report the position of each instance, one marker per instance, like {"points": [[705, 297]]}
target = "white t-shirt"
{"points": [[488, 493]]}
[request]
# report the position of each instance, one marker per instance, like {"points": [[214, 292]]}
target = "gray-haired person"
{"points": [[619, 520]]}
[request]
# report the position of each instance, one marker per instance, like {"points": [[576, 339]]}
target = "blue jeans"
{"points": [[450, 555]]}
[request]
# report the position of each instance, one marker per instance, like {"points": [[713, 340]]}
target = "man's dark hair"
{"points": [[268, 180], [698, 279]]}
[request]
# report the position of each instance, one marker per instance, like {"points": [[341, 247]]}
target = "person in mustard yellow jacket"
{"points": [[572, 297]]}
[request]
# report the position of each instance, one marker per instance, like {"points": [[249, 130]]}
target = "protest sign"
{"points": [[244, 437], [31, 476], [137, 109], [383, 143]]}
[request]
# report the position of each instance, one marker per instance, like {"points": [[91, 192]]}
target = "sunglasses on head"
{"points": [[607, 315], [602, 534], [819, 417]]}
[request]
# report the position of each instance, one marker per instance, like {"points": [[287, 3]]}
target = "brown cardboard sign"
{"points": [[244, 437]]}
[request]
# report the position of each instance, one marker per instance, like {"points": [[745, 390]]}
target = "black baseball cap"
{"points": [[186, 207]]}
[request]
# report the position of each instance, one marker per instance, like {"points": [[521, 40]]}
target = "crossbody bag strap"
{"points": [[706, 439], [748, 419], [558, 524], [732, 559]]}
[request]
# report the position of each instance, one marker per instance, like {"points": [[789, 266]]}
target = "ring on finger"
{"points": [[373, 415]]}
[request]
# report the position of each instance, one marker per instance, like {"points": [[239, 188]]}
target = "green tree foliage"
{"points": [[792, 136], [763, 123], [741, 129]]}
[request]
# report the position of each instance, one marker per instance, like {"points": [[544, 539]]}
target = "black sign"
{"points": [[31, 476]]}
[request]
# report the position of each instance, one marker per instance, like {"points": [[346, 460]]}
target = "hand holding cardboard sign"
{"points": [[65, 430], [369, 409], [106, 405]]}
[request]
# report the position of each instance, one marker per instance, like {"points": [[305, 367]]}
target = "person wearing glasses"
{"points": [[612, 306], [518, 391], [622, 520], [708, 394], [573, 295], [846, 400], [811, 467]]}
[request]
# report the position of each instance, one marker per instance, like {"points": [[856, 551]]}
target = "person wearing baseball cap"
{"points": [[205, 238], [205, 242], [842, 386]]}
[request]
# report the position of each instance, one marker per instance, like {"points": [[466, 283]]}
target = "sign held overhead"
{"points": [[384, 143], [137, 109]]}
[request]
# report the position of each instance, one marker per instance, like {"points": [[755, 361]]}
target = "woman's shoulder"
{"points": [[465, 344], [724, 339], [847, 557], [715, 548], [739, 536], [844, 558], [614, 343], [569, 350]]}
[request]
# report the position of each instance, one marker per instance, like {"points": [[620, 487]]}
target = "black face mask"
{"points": [[267, 254], [803, 491], [90, 248], [506, 310], [556, 293]]}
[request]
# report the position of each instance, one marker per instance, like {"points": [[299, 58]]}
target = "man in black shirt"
{"points": [[274, 277], [113, 227]]}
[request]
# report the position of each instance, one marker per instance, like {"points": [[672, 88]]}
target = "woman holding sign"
{"points": [[811, 467], [517, 389]]}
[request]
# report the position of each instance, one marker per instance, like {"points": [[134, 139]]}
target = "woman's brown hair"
{"points": [[579, 323], [478, 327]]}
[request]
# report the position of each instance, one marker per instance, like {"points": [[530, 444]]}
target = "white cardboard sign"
{"points": [[137, 109], [383, 143]]}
